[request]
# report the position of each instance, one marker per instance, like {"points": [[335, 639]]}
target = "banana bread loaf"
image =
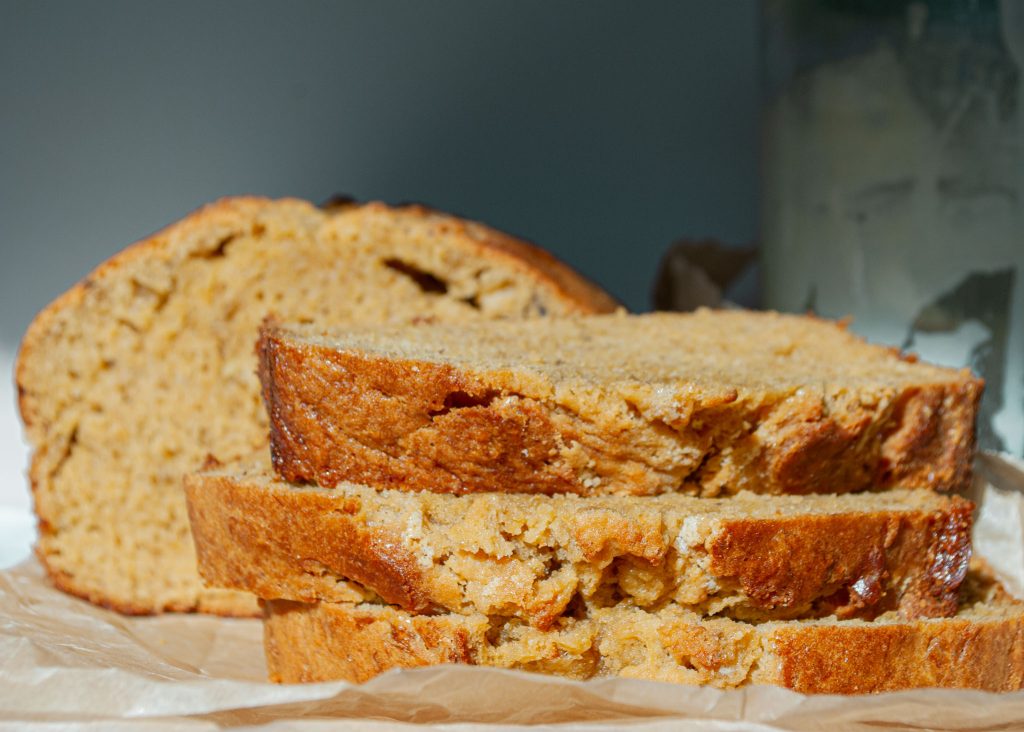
{"points": [[135, 375]]}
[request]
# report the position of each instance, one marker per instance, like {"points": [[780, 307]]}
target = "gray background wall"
{"points": [[602, 130]]}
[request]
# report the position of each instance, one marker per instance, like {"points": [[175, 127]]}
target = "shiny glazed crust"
{"points": [[87, 332], [537, 557], [370, 408], [981, 648]]}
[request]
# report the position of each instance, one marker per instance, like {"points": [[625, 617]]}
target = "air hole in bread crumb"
{"points": [[462, 400], [427, 282], [576, 607], [222, 246], [66, 454]]}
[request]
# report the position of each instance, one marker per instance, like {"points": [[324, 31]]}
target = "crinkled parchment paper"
{"points": [[66, 664]]}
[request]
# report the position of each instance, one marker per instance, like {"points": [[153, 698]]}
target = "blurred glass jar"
{"points": [[893, 180]]}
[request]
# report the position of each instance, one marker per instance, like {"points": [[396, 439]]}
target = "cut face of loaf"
{"points": [[982, 647], [705, 403], [539, 558], [135, 375]]}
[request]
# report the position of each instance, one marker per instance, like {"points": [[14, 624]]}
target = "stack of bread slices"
{"points": [[724, 498], [473, 459]]}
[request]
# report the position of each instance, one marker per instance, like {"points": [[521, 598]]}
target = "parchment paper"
{"points": [[65, 664]]}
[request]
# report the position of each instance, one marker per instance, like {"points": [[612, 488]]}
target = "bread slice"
{"points": [[538, 558], [705, 403], [982, 647], [135, 375]]}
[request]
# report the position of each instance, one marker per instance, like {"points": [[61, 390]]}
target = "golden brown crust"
{"points": [[983, 648], [374, 646], [244, 543], [45, 350], [862, 559], [928, 551], [933, 439], [953, 653], [392, 424], [421, 424]]}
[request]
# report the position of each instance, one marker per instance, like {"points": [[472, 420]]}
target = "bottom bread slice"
{"points": [[982, 647]]}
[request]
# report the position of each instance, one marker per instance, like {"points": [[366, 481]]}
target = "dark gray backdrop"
{"points": [[602, 130]]}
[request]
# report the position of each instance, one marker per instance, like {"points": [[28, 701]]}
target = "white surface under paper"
{"points": [[66, 664], [17, 525]]}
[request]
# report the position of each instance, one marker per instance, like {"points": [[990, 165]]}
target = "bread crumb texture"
{"points": [[136, 375]]}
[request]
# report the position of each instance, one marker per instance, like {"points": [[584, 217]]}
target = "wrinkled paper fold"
{"points": [[64, 662]]}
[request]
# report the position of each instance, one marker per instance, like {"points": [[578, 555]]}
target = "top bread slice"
{"points": [[138, 373], [707, 403]]}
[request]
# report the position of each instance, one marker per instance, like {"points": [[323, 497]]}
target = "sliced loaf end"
{"points": [[134, 376]]}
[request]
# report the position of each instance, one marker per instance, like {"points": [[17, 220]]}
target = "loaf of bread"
{"points": [[982, 647], [705, 403], [138, 373], [539, 558]]}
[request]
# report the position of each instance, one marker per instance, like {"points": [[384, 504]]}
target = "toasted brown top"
{"points": [[540, 557], [982, 647], [707, 403], [135, 375]]}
